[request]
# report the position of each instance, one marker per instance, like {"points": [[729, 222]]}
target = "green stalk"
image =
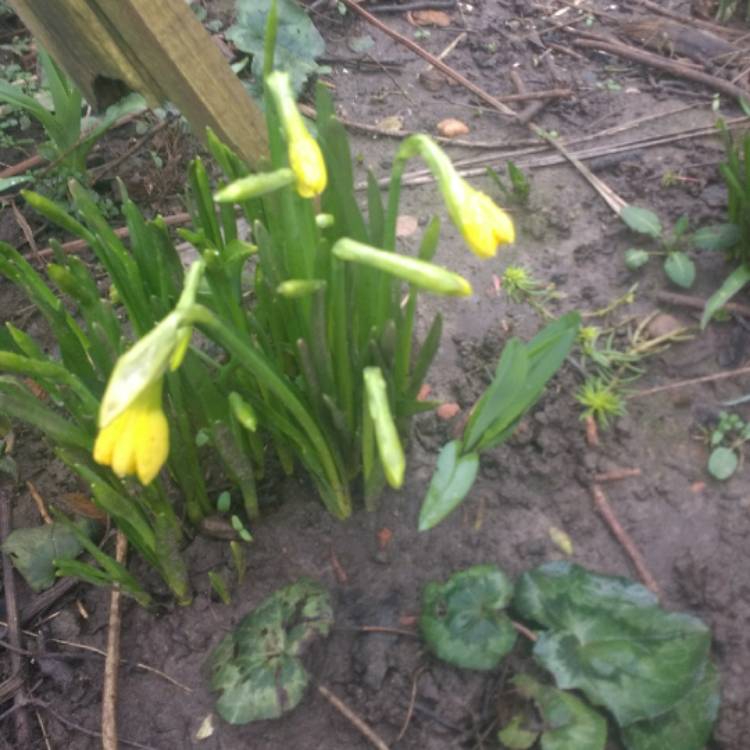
{"points": [[338, 502]]}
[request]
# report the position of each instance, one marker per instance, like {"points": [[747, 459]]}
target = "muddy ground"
{"points": [[692, 530]]}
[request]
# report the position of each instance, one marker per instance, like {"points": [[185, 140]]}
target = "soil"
{"points": [[692, 531]]}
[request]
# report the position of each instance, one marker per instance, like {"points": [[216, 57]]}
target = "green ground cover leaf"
{"points": [[256, 667], [463, 620], [687, 726], [569, 723], [608, 637], [298, 42], [33, 551]]}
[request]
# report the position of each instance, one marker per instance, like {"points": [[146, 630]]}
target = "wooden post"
{"points": [[155, 47]]}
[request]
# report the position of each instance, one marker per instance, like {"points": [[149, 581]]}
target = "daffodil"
{"points": [[137, 440], [305, 156], [483, 224]]}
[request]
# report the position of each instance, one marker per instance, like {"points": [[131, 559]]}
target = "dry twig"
{"points": [[692, 381], [347, 713], [112, 660], [605, 509]]}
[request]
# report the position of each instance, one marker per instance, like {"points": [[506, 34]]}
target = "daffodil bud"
{"points": [[305, 156], [296, 288], [254, 186], [483, 224], [244, 413], [422, 274]]}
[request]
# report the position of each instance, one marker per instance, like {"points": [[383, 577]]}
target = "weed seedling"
{"points": [[519, 190], [726, 441]]}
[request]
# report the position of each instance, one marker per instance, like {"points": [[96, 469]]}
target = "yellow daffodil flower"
{"points": [[483, 224], [305, 156], [137, 440]]}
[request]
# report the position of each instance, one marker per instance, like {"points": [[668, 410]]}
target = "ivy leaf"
{"points": [[463, 620], [298, 42], [451, 482], [256, 667], [722, 463], [641, 220], [687, 726], [680, 269], [34, 551], [570, 723], [609, 638]]}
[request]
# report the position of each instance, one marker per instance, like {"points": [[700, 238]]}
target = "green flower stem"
{"points": [[338, 501]]}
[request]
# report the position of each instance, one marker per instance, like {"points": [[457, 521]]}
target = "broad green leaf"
{"points": [[515, 737], [732, 284], [722, 463], [33, 551], [569, 723], [641, 220], [635, 258], [463, 620], [499, 403], [687, 726], [681, 226], [680, 269], [256, 667], [717, 237], [608, 637], [451, 482], [298, 42]]}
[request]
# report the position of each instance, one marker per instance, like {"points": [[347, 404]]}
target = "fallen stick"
{"points": [[692, 381], [23, 727], [347, 713], [689, 20], [605, 509], [696, 303], [589, 41], [616, 475], [112, 659]]}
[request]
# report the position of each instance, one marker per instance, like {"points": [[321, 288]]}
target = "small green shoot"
{"points": [[519, 191], [219, 585], [726, 441], [601, 400]]}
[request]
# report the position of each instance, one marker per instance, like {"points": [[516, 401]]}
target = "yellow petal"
{"points": [[484, 225], [151, 444], [306, 161], [106, 441], [123, 455]]}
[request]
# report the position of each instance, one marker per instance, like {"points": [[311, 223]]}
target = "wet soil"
{"points": [[692, 530]]}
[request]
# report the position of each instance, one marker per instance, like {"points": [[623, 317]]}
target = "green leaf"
{"points": [[386, 435], [298, 42], [641, 220], [463, 620], [609, 638], [717, 237], [6, 183], [687, 726], [722, 463], [569, 723], [33, 551], [680, 269], [451, 482], [635, 258], [732, 284], [515, 737], [256, 667]]}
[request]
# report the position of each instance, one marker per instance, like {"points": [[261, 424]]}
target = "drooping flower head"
{"points": [[305, 156], [137, 440], [482, 223]]}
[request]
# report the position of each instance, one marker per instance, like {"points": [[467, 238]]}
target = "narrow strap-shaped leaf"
{"points": [[426, 354], [731, 285]]}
